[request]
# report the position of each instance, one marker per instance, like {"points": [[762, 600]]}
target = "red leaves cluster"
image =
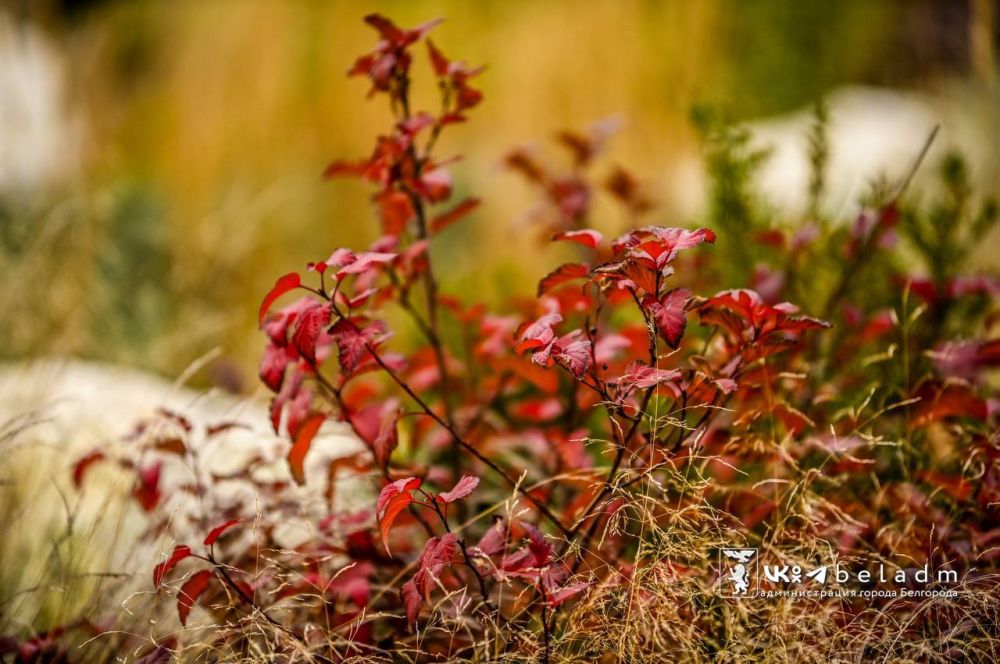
{"points": [[750, 323], [438, 552], [390, 60]]}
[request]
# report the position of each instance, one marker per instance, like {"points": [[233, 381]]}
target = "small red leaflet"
{"points": [[462, 488], [587, 237], [218, 530], [283, 285], [179, 553], [393, 498], [190, 592], [303, 440]]}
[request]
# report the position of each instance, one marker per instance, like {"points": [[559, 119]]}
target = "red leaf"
{"points": [[494, 541], [395, 505], [416, 123], [955, 400], [310, 324], [412, 599], [435, 185], [218, 530], [396, 36], [540, 547], [355, 168], [352, 341], [573, 353], [393, 498], [396, 211], [281, 286], [303, 440], [364, 262], [273, 363], [387, 439], [81, 466], [661, 244], [645, 376], [438, 61], [386, 28], [190, 592], [561, 275], [641, 276], [462, 488], [393, 489], [147, 488], [445, 219], [539, 333], [180, 553], [669, 315], [588, 238], [438, 552]]}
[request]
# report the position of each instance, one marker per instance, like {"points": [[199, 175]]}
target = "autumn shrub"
{"points": [[553, 480]]}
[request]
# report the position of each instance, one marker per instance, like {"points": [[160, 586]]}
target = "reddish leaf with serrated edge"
{"points": [[561, 275], [587, 237], [538, 333], [216, 532], [393, 498], [573, 353], [640, 275], [669, 315], [352, 341], [281, 286], [303, 440], [445, 219], [190, 592], [273, 363], [310, 324], [462, 488], [80, 467], [438, 552], [179, 553]]}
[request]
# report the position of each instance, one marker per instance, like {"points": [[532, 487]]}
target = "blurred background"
{"points": [[160, 161]]}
